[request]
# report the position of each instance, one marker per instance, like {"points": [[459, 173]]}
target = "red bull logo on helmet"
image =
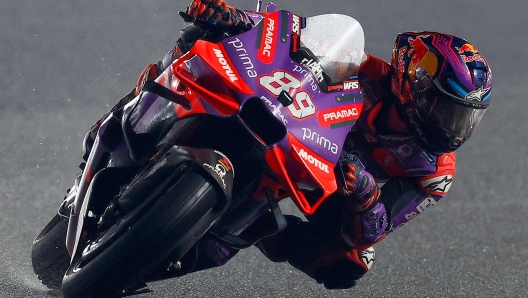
{"points": [[418, 49], [467, 48], [421, 56]]}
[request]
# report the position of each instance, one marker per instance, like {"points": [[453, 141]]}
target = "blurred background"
{"points": [[63, 64]]}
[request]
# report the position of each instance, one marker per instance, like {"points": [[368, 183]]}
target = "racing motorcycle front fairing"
{"points": [[312, 92]]}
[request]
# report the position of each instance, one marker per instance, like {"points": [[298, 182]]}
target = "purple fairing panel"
{"points": [[317, 118]]}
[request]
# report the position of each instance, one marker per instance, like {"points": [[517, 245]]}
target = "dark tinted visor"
{"points": [[458, 120], [453, 114]]}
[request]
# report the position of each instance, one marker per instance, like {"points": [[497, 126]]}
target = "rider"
{"points": [[417, 111]]}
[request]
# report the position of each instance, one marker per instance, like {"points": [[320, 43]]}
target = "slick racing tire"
{"points": [[49, 256], [176, 220]]}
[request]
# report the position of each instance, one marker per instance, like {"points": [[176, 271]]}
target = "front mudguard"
{"points": [[169, 160], [159, 173]]}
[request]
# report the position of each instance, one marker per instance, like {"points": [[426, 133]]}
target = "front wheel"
{"points": [[174, 223], [49, 255]]}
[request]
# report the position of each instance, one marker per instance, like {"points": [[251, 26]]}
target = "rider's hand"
{"points": [[364, 215], [358, 185], [213, 11]]}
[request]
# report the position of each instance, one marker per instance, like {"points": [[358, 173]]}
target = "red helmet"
{"points": [[444, 86]]}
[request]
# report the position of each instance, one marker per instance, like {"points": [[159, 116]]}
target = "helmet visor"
{"points": [[457, 120], [455, 115]]}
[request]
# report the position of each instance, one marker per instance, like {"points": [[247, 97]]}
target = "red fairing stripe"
{"points": [[216, 57], [439, 182], [223, 103], [339, 114], [277, 162], [268, 42], [321, 170]]}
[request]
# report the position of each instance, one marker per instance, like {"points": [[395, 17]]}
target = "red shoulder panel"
{"points": [[439, 182]]}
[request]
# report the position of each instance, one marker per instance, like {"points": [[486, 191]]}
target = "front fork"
{"points": [[109, 150]]}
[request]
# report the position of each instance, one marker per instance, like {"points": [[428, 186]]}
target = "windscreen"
{"points": [[337, 41]]}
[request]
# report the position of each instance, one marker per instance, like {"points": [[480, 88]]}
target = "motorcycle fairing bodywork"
{"points": [[219, 78], [309, 113], [317, 114]]}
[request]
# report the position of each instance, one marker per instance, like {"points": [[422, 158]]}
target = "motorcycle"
{"points": [[182, 176]]}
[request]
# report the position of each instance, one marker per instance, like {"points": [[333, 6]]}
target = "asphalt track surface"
{"points": [[64, 63]]}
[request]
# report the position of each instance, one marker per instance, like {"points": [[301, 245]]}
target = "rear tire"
{"points": [[49, 256], [174, 223]]}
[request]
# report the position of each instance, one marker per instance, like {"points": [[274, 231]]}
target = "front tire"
{"points": [[49, 256], [174, 223]]}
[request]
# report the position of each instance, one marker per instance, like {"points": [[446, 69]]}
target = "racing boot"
{"points": [[319, 252]]}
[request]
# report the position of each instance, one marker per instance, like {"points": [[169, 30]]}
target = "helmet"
{"points": [[443, 85]]}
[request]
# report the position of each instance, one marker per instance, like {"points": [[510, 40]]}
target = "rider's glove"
{"points": [[364, 215], [213, 11]]}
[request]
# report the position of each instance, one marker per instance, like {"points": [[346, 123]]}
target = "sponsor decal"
{"points": [[225, 65], [275, 109], [320, 140], [296, 25], [421, 57], [428, 202], [477, 95], [221, 168], [243, 56], [296, 32], [313, 160], [308, 77], [404, 151], [467, 48], [401, 55], [314, 67], [476, 57], [351, 85], [428, 156], [368, 256], [337, 115], [266, 52], [337, 87], [372, 221], [424, 205], [321, 170], [418, 50], [440, 184]]}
